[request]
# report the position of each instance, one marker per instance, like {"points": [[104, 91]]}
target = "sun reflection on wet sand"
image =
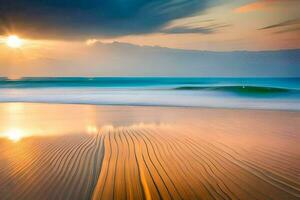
{"points": [[21, 120], [92, 129], [15, 134]]}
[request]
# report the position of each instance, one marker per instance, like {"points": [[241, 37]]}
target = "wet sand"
{"points": [[122, 152]]}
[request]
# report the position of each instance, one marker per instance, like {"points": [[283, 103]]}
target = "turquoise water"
{"points": [[259, 93], [155, 82]]}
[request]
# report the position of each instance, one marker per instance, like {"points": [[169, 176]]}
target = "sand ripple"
{"points": [[209, 158]]}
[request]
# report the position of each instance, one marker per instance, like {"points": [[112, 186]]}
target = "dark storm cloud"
{"points": [[89, 18]]}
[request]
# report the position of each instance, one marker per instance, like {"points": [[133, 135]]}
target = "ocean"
{"points": [[249, 93]]}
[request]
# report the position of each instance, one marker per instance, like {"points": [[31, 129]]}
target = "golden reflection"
{"points": [[14, 107], [20, 120], [91, 129], [14, 134]]}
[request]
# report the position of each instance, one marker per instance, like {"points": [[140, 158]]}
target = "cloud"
{"points": [[292, 25], [125, 59], [209, 29], [259, 5], [282, 24], [295, 29], [185, 29], [92, 18]]}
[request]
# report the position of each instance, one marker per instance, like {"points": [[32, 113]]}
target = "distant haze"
{"points": [[121, 59]]}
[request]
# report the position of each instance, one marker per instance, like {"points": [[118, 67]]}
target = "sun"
{"points": [[13, 41]]}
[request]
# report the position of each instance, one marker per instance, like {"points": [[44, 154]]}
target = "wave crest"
{"points": [[238, 89]]}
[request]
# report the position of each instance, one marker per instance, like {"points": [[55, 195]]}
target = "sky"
{"points": [[97, 37]]}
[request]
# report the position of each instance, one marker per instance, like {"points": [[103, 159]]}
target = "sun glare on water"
{"points": [[13, 41]]}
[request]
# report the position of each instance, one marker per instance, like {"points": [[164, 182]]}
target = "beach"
{"points": [[69, 151], [149, 100]]}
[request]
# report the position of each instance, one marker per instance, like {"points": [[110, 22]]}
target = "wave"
{"points": [[100, 82], [188, 98], [264, 93], [180, 83], [240, 89]]}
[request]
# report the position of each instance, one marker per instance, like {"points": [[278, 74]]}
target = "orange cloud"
{"points": [[258, 5]]}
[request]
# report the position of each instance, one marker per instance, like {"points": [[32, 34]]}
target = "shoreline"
{"points": [[154, 106]]}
